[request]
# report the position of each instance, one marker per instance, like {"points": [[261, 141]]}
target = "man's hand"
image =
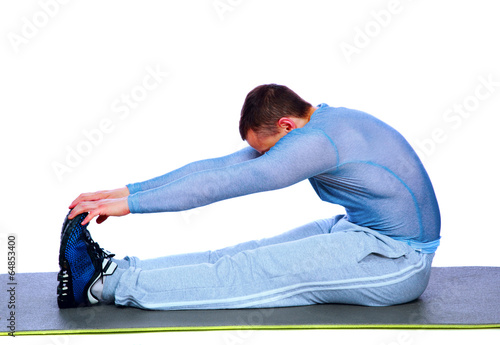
{"points": [[101, 204], [101, 209], [103, 194]]}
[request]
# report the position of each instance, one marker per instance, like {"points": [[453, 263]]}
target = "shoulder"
{"points": [[306, 137]]}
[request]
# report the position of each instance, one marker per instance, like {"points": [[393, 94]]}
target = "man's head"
{"points": [[271, 111]]}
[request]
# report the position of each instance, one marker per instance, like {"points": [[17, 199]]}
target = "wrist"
{"points": [[133, 188], [123, 192]]}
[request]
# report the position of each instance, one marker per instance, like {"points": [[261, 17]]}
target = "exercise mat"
{"points": [[456, 298]]}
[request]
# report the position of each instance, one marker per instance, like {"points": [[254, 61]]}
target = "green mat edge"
{"points": [[236, 328]]}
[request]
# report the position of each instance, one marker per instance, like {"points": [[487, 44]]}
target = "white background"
{"points": [[65, 67]]}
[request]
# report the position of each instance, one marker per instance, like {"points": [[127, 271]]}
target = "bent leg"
{"points": [[353, 266]]}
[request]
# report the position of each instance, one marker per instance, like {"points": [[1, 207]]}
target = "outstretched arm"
{"points": [[298, 156], [207, 164], [114, 202]]}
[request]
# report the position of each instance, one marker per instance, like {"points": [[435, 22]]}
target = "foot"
{"points": [[82, 263]]}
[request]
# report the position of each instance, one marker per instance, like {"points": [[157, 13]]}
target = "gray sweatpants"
{"points": [[326, 261]]}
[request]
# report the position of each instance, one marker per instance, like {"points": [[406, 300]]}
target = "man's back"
{"points": [[375, 174]]}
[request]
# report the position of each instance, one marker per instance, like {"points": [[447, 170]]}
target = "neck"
{"points": [[310, 112], [301, 122]]}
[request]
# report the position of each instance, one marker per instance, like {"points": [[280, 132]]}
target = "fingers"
{"points": [[100, 195], [101, 209], [93, 208], [80, 198], [89, 217], [73, 214], [101, 219], [77, 200], [89, 197], [77, 210]]}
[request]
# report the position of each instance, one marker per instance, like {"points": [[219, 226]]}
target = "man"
{"points": [[379, 253]]}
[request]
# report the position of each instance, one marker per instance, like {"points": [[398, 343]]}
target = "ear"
{"points": [[287, 124]]}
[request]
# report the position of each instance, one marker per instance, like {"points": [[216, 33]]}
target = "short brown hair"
{"points": [[268, 103]]}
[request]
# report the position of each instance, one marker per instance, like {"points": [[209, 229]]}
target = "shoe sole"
{"points": [[65, 224]]}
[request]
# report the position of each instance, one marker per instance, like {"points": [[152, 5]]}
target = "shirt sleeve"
{"points": [[206, 164], [299, 155]]}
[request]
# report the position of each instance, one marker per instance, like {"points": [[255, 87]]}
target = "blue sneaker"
{"points": [[82, 263]]}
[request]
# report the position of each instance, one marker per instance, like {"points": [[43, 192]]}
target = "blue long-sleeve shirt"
{"points": [[350, 158]]}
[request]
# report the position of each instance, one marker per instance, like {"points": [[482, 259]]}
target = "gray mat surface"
{"points": [[457, 297]]}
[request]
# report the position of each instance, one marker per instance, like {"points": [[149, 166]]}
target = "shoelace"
{"points": [[100, 253]]}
